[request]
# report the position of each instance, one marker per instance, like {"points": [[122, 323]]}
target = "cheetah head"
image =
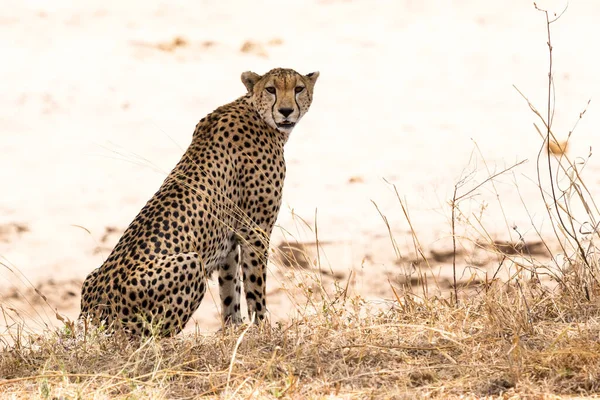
{"points": [[281, 96]]}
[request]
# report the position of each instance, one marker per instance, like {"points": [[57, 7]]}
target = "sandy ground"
{"points": [[99, 99]]}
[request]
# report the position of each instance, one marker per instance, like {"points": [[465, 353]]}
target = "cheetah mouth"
{"points": [[286, 125]]}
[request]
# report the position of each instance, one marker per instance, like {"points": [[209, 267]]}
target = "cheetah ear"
{"points": [[249, 79], [313, 76]]}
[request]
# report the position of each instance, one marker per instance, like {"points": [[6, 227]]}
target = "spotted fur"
{"points": [[214, 211]]}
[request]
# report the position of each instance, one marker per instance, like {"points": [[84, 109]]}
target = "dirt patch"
{"points": [[12, 230]]}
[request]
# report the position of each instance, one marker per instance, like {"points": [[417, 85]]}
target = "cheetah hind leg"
{"points": [[161, 297], [230, 287]]}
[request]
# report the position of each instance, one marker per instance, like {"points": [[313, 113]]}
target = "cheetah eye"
{"points": [[299, 89], [270, 89]]}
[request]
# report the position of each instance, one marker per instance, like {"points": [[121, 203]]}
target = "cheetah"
{"points": [[214, 211]]}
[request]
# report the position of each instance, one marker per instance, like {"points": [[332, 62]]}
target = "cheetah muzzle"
{"points": [[214, 211]]}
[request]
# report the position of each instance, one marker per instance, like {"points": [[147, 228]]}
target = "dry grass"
{"points": [[490, 345], [534, 335]]}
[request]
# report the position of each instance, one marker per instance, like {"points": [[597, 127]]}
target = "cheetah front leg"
{"points": [[254, 251], [230, 286]]}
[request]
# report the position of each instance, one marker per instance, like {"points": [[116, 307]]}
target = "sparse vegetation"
{"points": [[535, 334], [512, 339]]}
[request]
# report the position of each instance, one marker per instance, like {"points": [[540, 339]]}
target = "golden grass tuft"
{"points": [[558, 147]]}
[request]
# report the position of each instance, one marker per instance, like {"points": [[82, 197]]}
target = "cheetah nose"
{"points": [[286, 111]]}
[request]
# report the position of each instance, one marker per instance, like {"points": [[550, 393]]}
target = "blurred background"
{"points": [[99, 100]]}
